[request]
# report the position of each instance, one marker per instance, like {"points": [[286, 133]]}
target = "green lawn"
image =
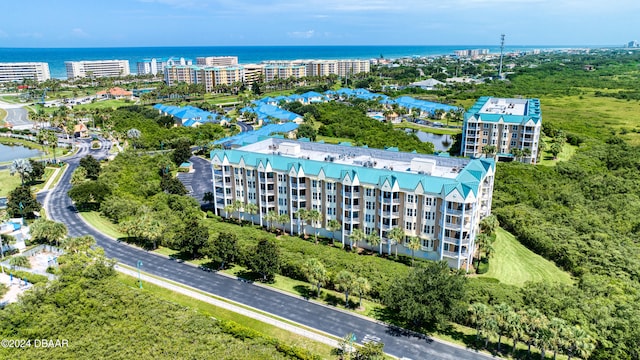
{"points": [[512, 263], [428, 129], [8, 182], [105, 104], [567, 152], [102, 224], [210, 310], [334, 140]]}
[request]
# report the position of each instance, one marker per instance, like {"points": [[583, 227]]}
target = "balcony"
{"points": [[389, 200], [350, 207], [298, 186], [454, 254], [352, 193], [394, 214]]}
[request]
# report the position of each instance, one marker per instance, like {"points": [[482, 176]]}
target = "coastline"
{"points": [[56, 57]]}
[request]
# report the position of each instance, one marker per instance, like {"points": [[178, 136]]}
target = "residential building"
{"points": [[284, 71], [440, 200], [157, 65], [115, 93], [217, 61], [253, 73], [326, 67], [350, 67], [19, 71], [506, 124], [208, 76], [97, 68]]}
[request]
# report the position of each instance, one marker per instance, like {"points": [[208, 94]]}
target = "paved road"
{"points": [[244, 127], [17, 115], [332, 321]]}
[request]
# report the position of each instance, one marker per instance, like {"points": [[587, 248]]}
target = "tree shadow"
{"points": [[333, 300], [305, 291]]}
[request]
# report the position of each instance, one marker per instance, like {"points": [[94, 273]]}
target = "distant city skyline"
{"points": [[142, 23]]}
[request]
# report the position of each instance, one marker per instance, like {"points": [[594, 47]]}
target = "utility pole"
{"points": [[501, 55]]}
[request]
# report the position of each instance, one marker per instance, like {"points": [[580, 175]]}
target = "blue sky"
{"points": [[67, 23]]}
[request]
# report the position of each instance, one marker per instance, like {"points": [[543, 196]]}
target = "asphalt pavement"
{"points": [[17, 115], [397, 342]]}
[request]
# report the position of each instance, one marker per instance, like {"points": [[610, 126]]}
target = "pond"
{"points": [[440, 142], [12, 152]]}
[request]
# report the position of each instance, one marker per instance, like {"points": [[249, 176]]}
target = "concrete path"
{"points": [[17, 116], [16, 288], [242, 310]]}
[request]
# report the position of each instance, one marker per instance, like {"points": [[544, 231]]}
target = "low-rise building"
{"points": [[506, 124], [440, 200], [19, 71]]}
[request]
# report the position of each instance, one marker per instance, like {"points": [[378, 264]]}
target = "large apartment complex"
{"points": [[506, 124], [327, 67], [19, 71], [97, 68], [441, 200], [208, 76]]}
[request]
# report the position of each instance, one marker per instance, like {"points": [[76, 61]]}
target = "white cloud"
{"points": [[301, 34], [78, 32]]}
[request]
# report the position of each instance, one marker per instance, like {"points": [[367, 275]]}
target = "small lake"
{"points": [[440, 142], [10, 153]]}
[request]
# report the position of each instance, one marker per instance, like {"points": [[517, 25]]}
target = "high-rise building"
{"points": [[440, 200], [157, 65], [283, 71], [97, 68], [504, 124], [217, 61], [19, 71]]}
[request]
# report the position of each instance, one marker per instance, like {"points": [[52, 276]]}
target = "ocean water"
{"points": [[246, 54]]}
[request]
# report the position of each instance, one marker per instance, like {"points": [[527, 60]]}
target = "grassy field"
{"points": [[8, 182], [512, 263], [102, 224], [210, 310], [3, 114], [594, 116], [428, 129], [10, 99], [567, 152], [105, 104], [334, 140]]}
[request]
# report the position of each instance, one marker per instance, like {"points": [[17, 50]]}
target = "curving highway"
{"points": [[397, 342]]}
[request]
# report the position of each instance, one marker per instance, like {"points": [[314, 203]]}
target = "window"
{"points": [[330, 186], [514, 136], [369, 192], [411, 212], [368, 218], [280, 177], [427, 215], [484, 141], [428, 201], [485, 133], [486, 126], [407, 225], [410, 198], [314, 183], [369, 205], [513, 143]]}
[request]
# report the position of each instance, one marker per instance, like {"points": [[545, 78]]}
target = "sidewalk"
{"points": [[231, 307]]}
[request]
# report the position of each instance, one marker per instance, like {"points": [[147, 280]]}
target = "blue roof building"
{"points": [[441, 200], [189, 115]]}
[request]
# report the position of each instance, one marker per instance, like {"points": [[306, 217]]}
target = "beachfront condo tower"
{"points": [[19, 71], [96, 68]]}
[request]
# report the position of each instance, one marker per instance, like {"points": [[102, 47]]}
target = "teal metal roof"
{"points": [[532, 112], [466, 182]]}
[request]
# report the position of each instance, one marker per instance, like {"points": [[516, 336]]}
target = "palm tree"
{"points": [[301, 215], [489, 150], [362, 287], [208, 197], [557, 328], [134, 134], [22, 167], [251, 209], [283, 219], [373, 239], [414, 244], [333, 225], [345, 281], [355, 236], [514, 329], [579, 343], [78, 244], [489, 329], [315, 217], [478, 314], [52, 140], [502, 312], [271, 217], [532, 321], [229, 209], [238, 206], [396, 234], [316, 273], [517, 153]]}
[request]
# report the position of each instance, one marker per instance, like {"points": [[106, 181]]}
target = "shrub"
{"points": [[483, 267]]}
